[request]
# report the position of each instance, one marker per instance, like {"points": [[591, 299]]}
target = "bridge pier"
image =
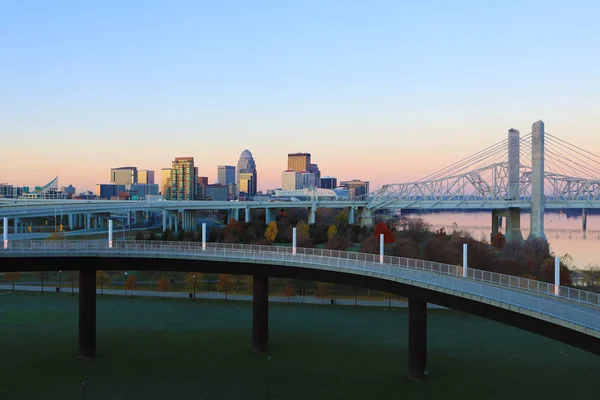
{"points": [[537, 181], [270, 215], [312, 214], [87, 313], [16, 222], [247, 215], [351, 216], [260, 314], [365, 217], [417, 340], [583, 220], [513, 224], [233, 213], [496, 218]]}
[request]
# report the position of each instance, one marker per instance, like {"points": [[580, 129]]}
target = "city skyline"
{"points": [[385, 92]]}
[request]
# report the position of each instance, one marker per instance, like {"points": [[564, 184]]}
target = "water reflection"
{"points": [[564, 232]]}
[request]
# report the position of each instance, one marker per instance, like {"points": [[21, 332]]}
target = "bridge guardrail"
{"points": [[394, 268], [543, 288]]}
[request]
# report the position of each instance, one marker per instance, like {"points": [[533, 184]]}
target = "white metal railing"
{"points": [[515, 291]]}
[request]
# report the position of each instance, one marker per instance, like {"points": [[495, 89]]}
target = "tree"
{"points": [[272, 231], [387, 296], [191, 281], [499, 241], [331, 231], [233, 231], [322, 290], [370, 245], [43, 275], [406, 248], [163, 285], [12, 277], [130, 284], [337, 243], [591, 276], [388, 236], [288, 291], [72, 277], [302, 230], [102, 278], [225, 283]]}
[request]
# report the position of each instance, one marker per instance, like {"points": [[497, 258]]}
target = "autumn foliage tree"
{"points": [[302, 229], [382, 228], [323, 290], [499, 241], [233, 231], [288, 291], [130, 284], [163, 285], [12, 277], [331, 231], [102, 278], [272, 231], [225, 283]]}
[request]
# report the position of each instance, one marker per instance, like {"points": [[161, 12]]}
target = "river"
{"points": [[563, 232]]}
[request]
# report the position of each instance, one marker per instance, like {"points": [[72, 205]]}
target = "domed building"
{"points": [[245, 174]]}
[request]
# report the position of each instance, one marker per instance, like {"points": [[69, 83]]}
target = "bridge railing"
{"points": [[515, 282], [442, 276]]}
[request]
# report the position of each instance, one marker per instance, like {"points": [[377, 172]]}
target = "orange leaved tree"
{"points": [[130, 284], [288, 291], [12, 277], [163, 285], [322, 290], [225, 283]]}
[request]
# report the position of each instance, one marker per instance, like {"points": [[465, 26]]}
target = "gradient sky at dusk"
{"points": [[385, 91]]}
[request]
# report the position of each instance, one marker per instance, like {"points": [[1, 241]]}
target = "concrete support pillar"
{"points": [[97, 222], [294, 240], [233, 213], [537, 181], [270, 215], [465, 263], [188, 221], [496, 223], [351, 215], [71, 222], [417, 340], [5, 233], [110, 233], [247, 215], [88, 221], [514, 165], [204, 236], [513, 224], [176, 221], [556, 276], [16, 222], [365, 217], [164, 220], [312, 214], [583, 220], [87, 313], [260, 314]]}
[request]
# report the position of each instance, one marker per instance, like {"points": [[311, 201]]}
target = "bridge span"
{"points": [[565, 314]]}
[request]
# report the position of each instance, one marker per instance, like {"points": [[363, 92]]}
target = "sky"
{"points": [[385, 91]]}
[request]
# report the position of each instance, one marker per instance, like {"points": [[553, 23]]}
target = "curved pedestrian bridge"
{"points": [[570, 308]]}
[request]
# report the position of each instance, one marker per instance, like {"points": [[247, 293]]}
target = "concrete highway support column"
{"points": [[365, 217], [233, 213], [270, 215], [247, 215], [514, 165], [71, 222], [260, 314], [87, 313], [417, 339], [16, 225], [351, 216], [537, 181], [513, 224], [496, 218], [312, 214], [188, 220]]}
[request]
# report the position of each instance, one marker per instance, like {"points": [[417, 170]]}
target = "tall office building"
{"points": [[165, 176], [328, 182], [124, 175], [202, 180], [314, 169], [299, 162], [226, 176], [246, 177], [146, 176], [291, 180], [182, 182]]}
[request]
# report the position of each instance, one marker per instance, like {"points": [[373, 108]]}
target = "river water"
{"points": [[564, 232]]}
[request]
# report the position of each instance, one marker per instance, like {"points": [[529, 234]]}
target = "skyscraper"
{"points": [[328, 182], [226, 174], [299, 162], [246, 174], [182, 182], [124, 175], [146, 176], [356, 187], [165, 176]]}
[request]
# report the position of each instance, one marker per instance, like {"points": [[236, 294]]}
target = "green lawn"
{"points": [[175, 349]]}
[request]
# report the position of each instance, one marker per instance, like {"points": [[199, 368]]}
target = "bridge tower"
{"points": [[537, 181], [513, 215]]}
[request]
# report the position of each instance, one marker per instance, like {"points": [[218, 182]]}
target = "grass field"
{"points": [[176, 349]]}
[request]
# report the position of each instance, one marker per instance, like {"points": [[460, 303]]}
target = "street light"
{"points": [[194, 276], [59, 280]]}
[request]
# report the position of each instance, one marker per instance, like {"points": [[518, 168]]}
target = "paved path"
{"points": [[221, 296]]}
